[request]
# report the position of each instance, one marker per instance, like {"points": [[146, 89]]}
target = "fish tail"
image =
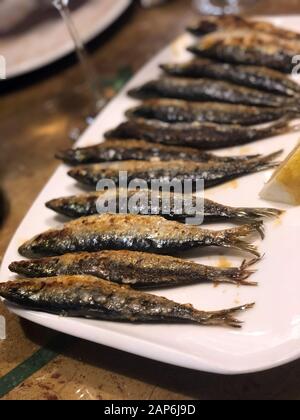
{"points": [[224, 317], [234, 238], [283, 124], [254, 214], [230, 159], [244, 231], [243, 272], [268, 159], [245, 246], [238, 275], [296, 127], [278, 127], [262, 163]]}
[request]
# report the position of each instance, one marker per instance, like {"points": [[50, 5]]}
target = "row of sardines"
{"points": [[234, 90]]}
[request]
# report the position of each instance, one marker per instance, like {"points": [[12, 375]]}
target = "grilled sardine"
{"points": [[250, 76], [204, 136], [89, 297], [211, 90], [177, 111], [136, 269], [86, 205], [212, 173], [134, 233], [249, 48], [122, 150], [208, 24]]}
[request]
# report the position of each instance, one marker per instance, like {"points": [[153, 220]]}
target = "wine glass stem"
{"points": [[87, 67]]}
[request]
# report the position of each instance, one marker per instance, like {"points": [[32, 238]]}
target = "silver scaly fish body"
{"points": [[89, 297], [134, 233]]}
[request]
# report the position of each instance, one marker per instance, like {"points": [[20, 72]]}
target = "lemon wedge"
{"points": [[284, 186]]}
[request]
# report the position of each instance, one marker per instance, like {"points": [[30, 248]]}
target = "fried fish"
{"points": [[122, 150], [135, 233], [248, 48], [209, 24], [205, 89], [211, 173], [90, 297], [179, 111], [249, 76], [151, 202], [136, 269], [204, 136]]}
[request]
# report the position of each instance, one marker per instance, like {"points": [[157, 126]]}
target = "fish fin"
{"points": [[244, 231], [296, 127], [268, 159], [225, 317], [243, 273], [253, 214], [234, 238], [238, 158], [238, 276], [245, 246], [262, 163]]}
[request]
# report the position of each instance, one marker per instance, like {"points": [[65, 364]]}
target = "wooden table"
{"points": [[37, 113]]}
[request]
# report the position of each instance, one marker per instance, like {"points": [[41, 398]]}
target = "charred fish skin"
{"points": [[117, 150], [211, 90], [127, 149], [204, 136], [86, 205], [136, 269], [176, 111], [249, 49], [249, 76], [88, 297], [209, 24], [212, 173], [134, 233]]}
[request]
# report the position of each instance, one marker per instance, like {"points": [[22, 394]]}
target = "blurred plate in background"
{"points": [[47, 41]]}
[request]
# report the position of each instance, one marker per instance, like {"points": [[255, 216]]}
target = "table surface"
{"points": [[37, 113]]}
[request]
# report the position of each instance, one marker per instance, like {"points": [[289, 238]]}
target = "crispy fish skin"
{"points": [[205, 89], [177, 111], [204, 136], [248, 48], [122, 150], [136, 269], [86, 205], [89, 297], [250, 76], [208, 24], [134, 233], [212, 173]]}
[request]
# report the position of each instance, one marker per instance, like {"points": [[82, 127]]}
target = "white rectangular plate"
{"points": [[271, 333]]}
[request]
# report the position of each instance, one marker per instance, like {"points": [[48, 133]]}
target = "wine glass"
{"points": [[90, 74], [222, 7]]}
